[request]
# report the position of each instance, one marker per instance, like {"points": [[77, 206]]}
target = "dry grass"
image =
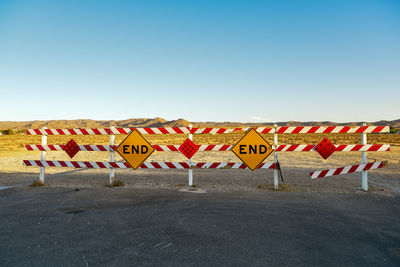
{"points": [[37, 183], [116, 183], [281, 187]]}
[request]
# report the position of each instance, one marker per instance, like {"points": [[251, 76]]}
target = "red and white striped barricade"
{"points": [[364, 147]]}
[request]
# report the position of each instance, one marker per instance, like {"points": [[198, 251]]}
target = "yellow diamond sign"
{"points": [[135, 149], [252, 149]]}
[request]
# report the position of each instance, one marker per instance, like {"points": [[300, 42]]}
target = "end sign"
{"points": [[135, 149], [252, 149]]}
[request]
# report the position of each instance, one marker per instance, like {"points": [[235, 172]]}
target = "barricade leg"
{"points": [[190, 182], [364, 174], [276, 183], [43, 157], [112, 153]]}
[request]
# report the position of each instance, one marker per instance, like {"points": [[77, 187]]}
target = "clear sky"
{"points": [[200, 60]]}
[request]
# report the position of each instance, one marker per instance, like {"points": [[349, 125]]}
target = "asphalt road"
{"points": [[125, 227]]}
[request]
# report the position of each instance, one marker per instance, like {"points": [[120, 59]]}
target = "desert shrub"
{"points": [[7, 132], [116, 183], [393, 130]]}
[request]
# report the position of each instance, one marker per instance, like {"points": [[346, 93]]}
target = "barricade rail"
{"points": [[189, 130], [112, 164]]}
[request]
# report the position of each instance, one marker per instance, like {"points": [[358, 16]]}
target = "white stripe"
{"points": [[102, 131]]}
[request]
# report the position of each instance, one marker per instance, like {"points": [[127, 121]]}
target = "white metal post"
{"points": [[112, 152], [190, 160], [43, 156], [364, 174], [276, 185]]}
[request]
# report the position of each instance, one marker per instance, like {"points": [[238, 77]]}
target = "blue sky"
{"points": [[200, 60]]}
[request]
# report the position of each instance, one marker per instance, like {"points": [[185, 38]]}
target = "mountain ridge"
{"points": [[160, 122]]}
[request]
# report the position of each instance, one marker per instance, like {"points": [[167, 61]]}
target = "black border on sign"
{"points": [[262, 139], [134, 129]]}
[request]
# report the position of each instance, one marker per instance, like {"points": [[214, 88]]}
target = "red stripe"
{"points": [[157, 148], [101, 165], [28, 147], [63, 164], [200, 164], [37, 131], [84, 131], [209, 147], [378, 129], [225, 147], [52, 147], [125, 163], [27, 163], [261, 165], [120, 130], [375, 147], [87, 147], [280, 147], [177, 130], [313, 129], [361, 129], [28, 132], [340, 147], [292, 147], [368, 166], [297, 129], [273, 166], [308, 147], [329, 129], [207, 130], [108, 131], [96, 131], [143, 166], [230, 164], [338, 171], [72, 131], [149, 130], [353, 168], [48, 131], [163, 130], [169, 164], [75, 164], [323, 173], [282, 129], [88, 164], [266, 130], [214, 165], [156, 165], [221, 130], [102, 148], [172, 148], [38, 163], [115, 165], [185, 165], [345, 129], [356, 148], [193, 130], [51, 163], [60, 131], [243, 166]]}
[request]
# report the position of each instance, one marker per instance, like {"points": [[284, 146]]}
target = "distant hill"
{"points": [[160, 122]]}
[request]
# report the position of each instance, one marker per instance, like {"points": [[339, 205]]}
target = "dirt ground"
{"points": [[295, 165]]}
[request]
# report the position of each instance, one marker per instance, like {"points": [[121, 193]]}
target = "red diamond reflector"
{"points": [[189, 148], [71, 148], [325, 148]]}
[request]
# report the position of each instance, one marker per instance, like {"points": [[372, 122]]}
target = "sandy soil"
{"points": [[295, 165]]}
